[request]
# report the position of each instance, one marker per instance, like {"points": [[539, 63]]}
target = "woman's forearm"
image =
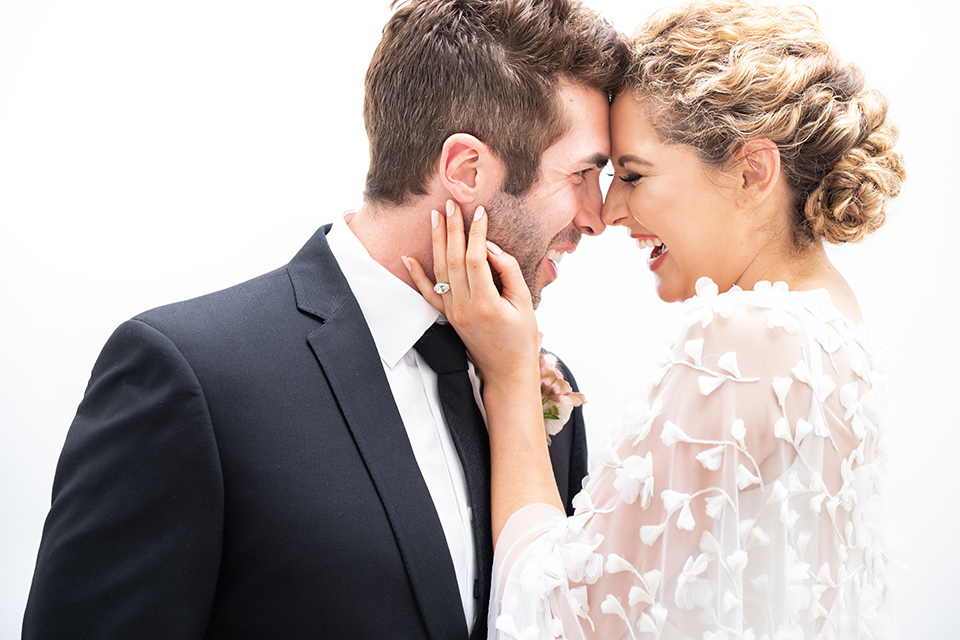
{"points": [[521, 473]]}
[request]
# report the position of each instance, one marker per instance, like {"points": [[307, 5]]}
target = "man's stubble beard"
{"points": [[513, 226]]}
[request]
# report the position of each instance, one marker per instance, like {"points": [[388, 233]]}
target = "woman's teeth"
{"points": [[646, 243]]}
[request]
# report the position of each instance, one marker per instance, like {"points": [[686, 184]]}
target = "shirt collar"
{"points": [[396, 314]]}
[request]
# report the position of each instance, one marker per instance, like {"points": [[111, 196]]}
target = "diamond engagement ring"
{"points": [[441, 287]]}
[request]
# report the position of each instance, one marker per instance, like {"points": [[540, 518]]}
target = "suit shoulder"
{"points": [[255, 288], [248, 304]]}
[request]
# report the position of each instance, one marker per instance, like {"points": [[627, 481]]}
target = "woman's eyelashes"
{"points": [[630, 178]]}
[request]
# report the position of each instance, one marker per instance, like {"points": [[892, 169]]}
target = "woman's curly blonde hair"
{"points": [[717, 74]]}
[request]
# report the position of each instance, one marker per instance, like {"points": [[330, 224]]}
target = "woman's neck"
{"points": [[804, 269]]}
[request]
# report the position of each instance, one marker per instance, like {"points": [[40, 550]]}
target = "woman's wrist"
{"points": [[516, 392], [525, 375], [514, 413]]}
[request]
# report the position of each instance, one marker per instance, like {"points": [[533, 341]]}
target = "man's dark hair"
{"points": [[490, 68]]}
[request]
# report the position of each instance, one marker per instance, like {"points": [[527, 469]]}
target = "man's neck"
{"points": [[388, 232]]}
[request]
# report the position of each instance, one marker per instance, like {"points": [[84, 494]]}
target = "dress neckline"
{"points": [[768, 294]]}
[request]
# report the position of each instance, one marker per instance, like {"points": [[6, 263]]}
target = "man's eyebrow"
{"points": [[598, 159], [622, 160]]}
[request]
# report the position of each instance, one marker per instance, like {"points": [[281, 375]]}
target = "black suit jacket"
{"points": [[238, 469]]}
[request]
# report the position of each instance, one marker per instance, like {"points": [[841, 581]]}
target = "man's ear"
{"points": [[758, 171], [469, 170]]}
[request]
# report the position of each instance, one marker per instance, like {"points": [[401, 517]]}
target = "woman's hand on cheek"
{"points": [[499, 331]]}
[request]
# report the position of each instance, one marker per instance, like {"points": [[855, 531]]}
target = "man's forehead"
{"points": [[586, 139], [578, 98], [583, 145]]}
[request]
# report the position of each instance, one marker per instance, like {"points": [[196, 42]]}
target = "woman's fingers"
{"points": [[455, 249], [515, 289], [478, 270], [464, 263], [424, 283], [499, 332]]}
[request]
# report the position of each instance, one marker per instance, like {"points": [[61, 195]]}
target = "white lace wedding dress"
{"points": [[742, 505]]}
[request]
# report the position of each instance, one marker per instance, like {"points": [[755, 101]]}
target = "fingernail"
{"points": [[434, 218], [478, 213], [406, 263], [450, 208], [494, 249]]}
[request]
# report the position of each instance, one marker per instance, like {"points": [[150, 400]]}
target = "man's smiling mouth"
{"points": [[555, 255]]}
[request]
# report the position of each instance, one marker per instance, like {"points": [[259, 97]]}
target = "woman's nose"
{"points": [[614, 209]]}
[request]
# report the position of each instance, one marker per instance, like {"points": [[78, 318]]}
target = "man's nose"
{"points": [[588, 218]]}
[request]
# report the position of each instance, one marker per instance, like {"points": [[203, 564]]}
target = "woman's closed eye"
{"points": [[631, 178]]}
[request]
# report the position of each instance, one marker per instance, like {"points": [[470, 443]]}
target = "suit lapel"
{"points": [[348, 356]]}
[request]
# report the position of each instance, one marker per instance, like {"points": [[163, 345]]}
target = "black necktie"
{"points": [[441, 347]]}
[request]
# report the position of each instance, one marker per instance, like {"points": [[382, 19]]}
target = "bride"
{"points": [[743, 505]]}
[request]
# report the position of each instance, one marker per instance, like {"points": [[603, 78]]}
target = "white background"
{"points": [[152, 151]]}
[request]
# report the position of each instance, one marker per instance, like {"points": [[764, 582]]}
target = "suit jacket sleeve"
{"points": [[132, 543], [568, 452]]}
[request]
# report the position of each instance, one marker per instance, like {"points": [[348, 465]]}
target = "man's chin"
{"points": [[545, 275], [535, 292], [535, 299]]}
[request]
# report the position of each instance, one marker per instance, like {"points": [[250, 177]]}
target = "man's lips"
{"points": [[553, 257]]}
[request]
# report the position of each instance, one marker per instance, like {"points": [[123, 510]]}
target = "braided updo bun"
{"points": [[718, 74]]}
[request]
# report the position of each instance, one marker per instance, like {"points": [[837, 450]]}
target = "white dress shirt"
{"points": [[397, 316]]}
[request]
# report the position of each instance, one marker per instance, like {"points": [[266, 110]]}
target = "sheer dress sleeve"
{"points": [[743, 504]]}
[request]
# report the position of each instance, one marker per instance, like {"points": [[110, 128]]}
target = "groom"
{"points": [[273, 460]]}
